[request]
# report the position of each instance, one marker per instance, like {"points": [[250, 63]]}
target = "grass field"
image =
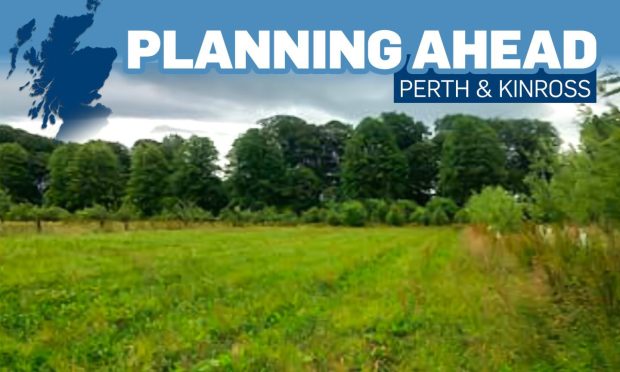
{"points": [[269, 298]]}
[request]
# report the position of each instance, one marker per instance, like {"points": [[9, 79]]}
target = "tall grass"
{"points": [[579, 264], [574, 272]]}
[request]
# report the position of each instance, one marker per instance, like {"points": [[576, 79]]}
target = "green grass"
{"points": [[268, 298]]}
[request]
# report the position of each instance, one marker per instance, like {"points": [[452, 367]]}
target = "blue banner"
{"points": [[541, 87]]}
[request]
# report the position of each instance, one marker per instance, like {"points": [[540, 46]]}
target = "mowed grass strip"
{"points": [[180, 297], [267, 298]]}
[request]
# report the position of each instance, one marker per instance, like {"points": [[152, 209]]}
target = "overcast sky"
{"points": [[152, 104]]}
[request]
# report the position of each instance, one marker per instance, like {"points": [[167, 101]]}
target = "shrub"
{"points": [[408, 206], [287, 217], [496, 208], [396, 216], [314, 215], [5, 204], [200, 215], [544, 204], [28, 213], [438, 217], [228, 215], [441, 211], [266, 215], [353, 213], [334, 217], [377, 210], [165, 215], [419, 216], [236, 216], [259, 216], [52, 214], [269, 216], [21, 212], [187, 212], [95, 213], [462, 216], [126, 213]]}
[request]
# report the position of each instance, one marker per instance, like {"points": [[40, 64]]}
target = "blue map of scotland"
{"points": [[66, 78]]}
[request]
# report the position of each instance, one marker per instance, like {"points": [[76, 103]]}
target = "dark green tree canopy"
{"points": [[30, 142], [149, 180], [195, 178], [373, 166], [256, 170], [423, 161], [525, 142], [95, 171], [298, 140], [333, 137], [303, 189], [288, 163], [316, 147], [596, 129], [406, 130], [81, 176], [172, 145], [15, 174], [58, 192], [472, 157]]}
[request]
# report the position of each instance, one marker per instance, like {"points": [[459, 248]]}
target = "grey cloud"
{"points": [[249, 97], [246, 98], [219, 97], [13, 104], [170, 129]]}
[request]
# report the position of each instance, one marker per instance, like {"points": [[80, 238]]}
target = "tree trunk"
{"points": [[39, 225]]}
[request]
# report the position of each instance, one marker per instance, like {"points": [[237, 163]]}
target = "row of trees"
{"points": [[585, 183], [290, 164], [388, 157]]}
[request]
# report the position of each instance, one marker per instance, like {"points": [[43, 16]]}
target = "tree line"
{"points": [[287, 166]]}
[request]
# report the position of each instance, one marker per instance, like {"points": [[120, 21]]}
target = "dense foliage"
{"points": [[496, 208], [290, 170]]}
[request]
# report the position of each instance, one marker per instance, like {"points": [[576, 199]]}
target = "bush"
{"points": [[441, 211], [29, 213], [496, 208], [419, 216], [236, 216], [377, 210], [5, 204], [286, 217], [334, 218], [126, 213], [462, 216], [229, 215], [438, 217], [314, 215], [264, 216], [21, 212], [408, 206], [95, 213], [396, 216], [51, 214], [353, 213], [187, 212]]}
